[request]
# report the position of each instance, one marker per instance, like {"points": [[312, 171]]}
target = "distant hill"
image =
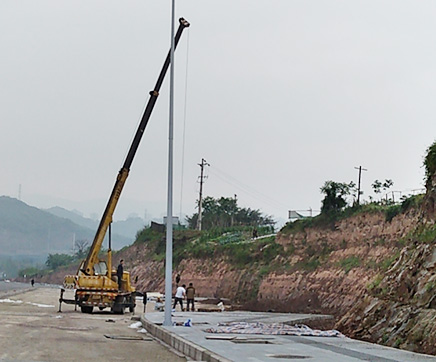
{"points": [[74, 217], [126, 229], [28, 231]]}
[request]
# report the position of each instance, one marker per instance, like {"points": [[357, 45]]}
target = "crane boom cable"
{"points": [[249, 188], [184, 126]]}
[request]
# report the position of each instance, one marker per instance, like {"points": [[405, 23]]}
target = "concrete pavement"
{"points": [[196, 343], [10, 287], [32, 329]]}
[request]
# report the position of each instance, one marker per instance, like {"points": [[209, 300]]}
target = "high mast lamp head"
{"points": [[183, 22]]}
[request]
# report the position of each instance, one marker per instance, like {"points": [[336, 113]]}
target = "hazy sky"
{"points": [[281, 96]]}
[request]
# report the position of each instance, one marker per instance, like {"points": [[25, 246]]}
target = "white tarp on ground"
{"points": [[272, 329]]}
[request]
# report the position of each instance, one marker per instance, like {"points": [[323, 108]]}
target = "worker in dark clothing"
{"points": [[190, 296], [144, 300], [120, 271]]}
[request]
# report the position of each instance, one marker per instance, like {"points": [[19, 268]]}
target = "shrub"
{"points": [[392, 211], [414, 201]]}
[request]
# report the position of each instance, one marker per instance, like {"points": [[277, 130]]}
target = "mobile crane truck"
{"points": [[95, 282]]}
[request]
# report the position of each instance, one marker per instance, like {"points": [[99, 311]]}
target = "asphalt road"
{"points": [[10, 286], [31, 329]]}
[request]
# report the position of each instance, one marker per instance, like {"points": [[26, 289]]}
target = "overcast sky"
{"points": [[281, 96]]}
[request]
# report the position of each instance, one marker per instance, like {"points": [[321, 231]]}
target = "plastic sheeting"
{"points": [[272, 329]]}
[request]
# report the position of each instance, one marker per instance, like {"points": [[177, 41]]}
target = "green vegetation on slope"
{"points": [[233, 243], [328, 219], [430, 163]]}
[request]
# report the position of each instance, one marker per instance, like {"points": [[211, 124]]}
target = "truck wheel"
{"points": [[118, 309], [86, 309]]}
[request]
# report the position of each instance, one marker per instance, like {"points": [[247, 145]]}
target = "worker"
{"points": [[178, 298], [144, 300], [120, 271], [190, 296]]}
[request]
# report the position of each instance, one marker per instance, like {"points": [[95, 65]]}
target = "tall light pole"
{"points": [[169, 235]]}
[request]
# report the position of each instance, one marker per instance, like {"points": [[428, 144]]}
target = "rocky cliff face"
{"points": [[400, 310], [377, 278], [331, 285]]}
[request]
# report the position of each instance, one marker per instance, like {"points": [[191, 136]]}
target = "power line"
{"points": [[247, 189]]}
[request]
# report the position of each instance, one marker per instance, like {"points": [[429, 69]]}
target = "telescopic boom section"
{"points": [[92, 257]]}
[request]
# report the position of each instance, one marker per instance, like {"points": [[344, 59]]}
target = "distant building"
{"points": [[294, 215]]}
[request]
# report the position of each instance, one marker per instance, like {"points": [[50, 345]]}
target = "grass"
{"points": [[372, 264], [264, 270], [308, 265], [398, 342], [375, 283], [430, 286], [234, 244], [426, 235], [349, 263], [245, 254], [387, 263]]}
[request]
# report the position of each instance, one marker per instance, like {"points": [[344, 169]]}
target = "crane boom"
{"points": [[106, 219]]}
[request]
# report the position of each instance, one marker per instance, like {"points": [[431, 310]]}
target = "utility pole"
{"points": [[200, 199], [360, 168]]}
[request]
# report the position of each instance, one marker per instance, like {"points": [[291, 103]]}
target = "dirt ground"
{"points": [[32, 329]]}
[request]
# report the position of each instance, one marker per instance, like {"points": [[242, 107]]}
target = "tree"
{"points": [[82, 248], [378, 186], [224, 212], [430, 164], [335, 195], [54, 261]]}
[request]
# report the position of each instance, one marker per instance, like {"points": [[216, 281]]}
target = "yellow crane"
{"points": [[95, 282]]}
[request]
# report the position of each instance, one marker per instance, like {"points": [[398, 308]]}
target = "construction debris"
{"points": [[272, 329], [129, 338]]}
